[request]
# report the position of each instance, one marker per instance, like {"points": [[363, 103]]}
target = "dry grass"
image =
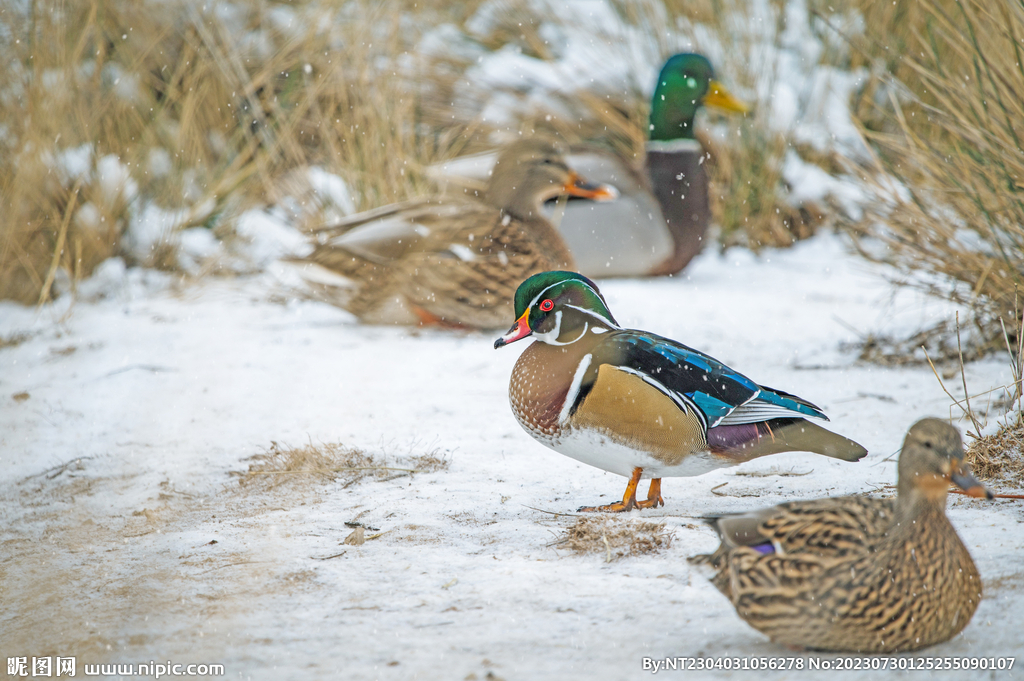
{"points": [[614, 538], [13, 340], [1000, 457], [938, 342], [749, 194], [953, 139], [206, 112], [895, 31], [115, 106], [194, 110], [430, 462], [282, 465]]}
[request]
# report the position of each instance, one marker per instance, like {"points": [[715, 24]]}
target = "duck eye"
{"points": [[691, 82], [928, 444], [547, 305]]}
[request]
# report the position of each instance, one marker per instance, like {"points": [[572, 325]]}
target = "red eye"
{"points": [[547, 305]]}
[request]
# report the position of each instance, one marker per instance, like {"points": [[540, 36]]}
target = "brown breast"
{"points": [[539, 385]]}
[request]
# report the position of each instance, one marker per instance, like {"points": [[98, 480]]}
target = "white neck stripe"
{"points": [[574, 388], [551, 337], [605, 321], [557, 283]]}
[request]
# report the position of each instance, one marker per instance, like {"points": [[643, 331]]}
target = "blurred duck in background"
{"points": [[659, 222], [452, 260]]}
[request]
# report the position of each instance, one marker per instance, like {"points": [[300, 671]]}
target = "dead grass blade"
{"points": [[953, 138], [616, 538], [1000, 457], [117, 106]]}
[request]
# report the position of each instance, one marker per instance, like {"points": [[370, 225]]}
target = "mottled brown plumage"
{"points": [[453, 260], [858, 574]]}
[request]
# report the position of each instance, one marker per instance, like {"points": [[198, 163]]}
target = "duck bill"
{"points": [[521, 329], [577, 186], [962, 478], [720, 98]]}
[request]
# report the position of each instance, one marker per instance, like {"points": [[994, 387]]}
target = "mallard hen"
{"points": [[451, 260], [858, 574]]}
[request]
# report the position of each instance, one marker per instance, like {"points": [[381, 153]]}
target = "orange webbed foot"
{"points": [[617, 507], [628, 502], [653, 499]]}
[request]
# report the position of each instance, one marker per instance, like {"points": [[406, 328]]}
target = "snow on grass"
{"points": [[127, 536]]}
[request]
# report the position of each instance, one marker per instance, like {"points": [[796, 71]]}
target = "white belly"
{"points": [[605, 453]]}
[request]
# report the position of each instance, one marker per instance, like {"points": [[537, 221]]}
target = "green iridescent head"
{"points": [[685, 84], [551, 304]]}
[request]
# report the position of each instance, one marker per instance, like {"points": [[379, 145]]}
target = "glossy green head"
{"points": [[550, 303], [685, 84]]}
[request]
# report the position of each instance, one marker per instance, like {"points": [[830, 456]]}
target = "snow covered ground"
{"points": [[125, 538]]}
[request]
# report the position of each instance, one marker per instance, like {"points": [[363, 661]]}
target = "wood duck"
{"points": [[637, 404], [659, 221], [858, 574], [451, 260]]}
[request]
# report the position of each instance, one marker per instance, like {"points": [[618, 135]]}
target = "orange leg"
{"points": [[628, 502], [654, 499]]}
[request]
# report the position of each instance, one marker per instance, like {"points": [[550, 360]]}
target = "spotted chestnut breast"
{"points": [[538, 388]]}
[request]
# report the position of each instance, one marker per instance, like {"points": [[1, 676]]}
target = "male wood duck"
{"points": [[637, 404], [454, 260], [858, 574], [658, 223]]}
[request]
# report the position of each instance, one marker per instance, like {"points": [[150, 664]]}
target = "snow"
{"points": [[267, 239], [76, 163], [150, 227], [135, 407], [332, 190], [809, 182], [126, 412]]}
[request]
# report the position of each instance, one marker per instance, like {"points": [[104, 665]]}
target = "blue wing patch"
{"points": [[791, 402], [694, 380]]}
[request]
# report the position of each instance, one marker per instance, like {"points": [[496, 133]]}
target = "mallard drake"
{"points": [[658, 223], [858, 574], [451, 260], [639, 405]]}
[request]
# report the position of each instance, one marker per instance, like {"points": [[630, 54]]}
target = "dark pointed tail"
{"points": [[752, 440]]}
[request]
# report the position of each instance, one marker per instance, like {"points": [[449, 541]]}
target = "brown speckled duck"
{"points": [[452, 260], [858, 574]]}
